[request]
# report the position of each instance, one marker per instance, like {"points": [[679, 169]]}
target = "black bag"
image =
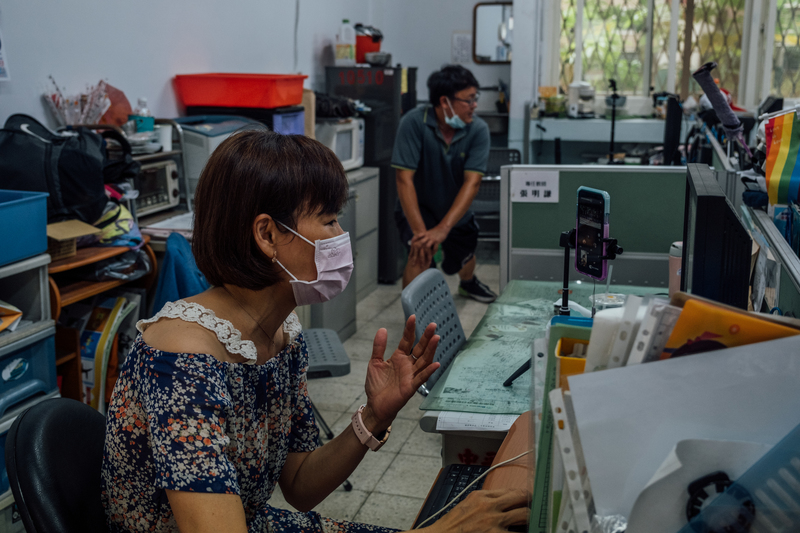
{"points": [[69, 166], [329, 106], [123, 167]]}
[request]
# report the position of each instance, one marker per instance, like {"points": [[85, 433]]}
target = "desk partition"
{"points": [[646, 217], [788, 289]]}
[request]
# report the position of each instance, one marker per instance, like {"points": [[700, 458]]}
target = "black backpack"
{"points": [[68, 166]]}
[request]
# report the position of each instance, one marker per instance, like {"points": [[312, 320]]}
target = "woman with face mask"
{"points": [[211, 410]]}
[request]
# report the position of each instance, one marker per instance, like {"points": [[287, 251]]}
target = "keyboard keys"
{"points": [[452, 481]]}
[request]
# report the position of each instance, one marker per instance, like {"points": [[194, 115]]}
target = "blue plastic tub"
{"points": [[4, 483], [27, 369], [290, 123], [23, 217]]}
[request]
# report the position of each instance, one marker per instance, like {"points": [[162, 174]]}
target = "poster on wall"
{"points": [[461, 48], [3, 60]]}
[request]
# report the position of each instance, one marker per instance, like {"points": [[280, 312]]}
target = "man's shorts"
{"points": [[459, 246]]}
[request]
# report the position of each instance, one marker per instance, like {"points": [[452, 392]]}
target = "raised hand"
{"points": [[391, 383]]}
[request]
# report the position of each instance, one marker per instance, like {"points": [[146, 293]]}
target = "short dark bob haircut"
{"points": [[448, 81], [250, 173]]}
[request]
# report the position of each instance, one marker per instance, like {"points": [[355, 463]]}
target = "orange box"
{"points": [[569, 365], [264, 91]]}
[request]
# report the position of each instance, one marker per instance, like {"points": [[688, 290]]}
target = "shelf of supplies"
{"points": [[76, 291], [89, 255], [80, 290]]}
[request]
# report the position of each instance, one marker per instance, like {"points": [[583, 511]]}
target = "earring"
{"points": [[275, 256]]}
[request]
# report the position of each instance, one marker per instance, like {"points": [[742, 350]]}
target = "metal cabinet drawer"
{"points": [[366, 193], [366, 264]]}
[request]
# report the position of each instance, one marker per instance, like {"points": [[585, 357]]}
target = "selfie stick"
{"points": [[567, 241], [614, 97], [730, 122]]}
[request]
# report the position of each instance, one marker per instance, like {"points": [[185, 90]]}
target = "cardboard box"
{"points": [[62, 237], [310, 105]]}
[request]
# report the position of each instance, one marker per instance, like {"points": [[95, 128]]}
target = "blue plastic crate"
{"points": [[27, 368], [23, 215], [290, 123]]}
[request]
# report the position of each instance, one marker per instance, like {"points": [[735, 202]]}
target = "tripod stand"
{"points": [[567, 241]]}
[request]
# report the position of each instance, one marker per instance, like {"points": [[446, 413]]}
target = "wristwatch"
{"points": [[365, 436]]}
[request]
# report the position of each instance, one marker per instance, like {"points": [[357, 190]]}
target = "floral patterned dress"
{"points": [[189, 422]]}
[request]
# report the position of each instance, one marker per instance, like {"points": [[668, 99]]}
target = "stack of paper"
{"points": [[10, 316]]}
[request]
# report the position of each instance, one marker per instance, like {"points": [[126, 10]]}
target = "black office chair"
{"points": [[54, 453], [486, 204]]}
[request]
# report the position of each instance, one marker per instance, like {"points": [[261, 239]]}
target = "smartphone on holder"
{"points": [[591, 227]]}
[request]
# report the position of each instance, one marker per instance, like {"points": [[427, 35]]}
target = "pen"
{"points": [[517, 373]]}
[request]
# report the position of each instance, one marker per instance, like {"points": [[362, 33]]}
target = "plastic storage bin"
{"points": [[293, 123], [23, 217], [240, 90], [570, 366], [25, 284], [27, 368], [285, 120]]}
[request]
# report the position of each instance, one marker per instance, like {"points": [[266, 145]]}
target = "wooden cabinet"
{"points": [[63, 293]]}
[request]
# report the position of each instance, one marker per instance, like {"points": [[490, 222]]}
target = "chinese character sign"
{"points": [[535, 186]]}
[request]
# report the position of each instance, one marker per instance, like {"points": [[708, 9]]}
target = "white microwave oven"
{"points": [[345, 138]]}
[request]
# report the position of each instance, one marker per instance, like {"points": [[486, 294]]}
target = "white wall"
{"points": [[528, 24], [138, 46], [418, 33]]}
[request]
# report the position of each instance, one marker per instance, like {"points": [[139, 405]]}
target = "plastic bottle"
{"points": [[141, 108], [675, 257], [346, 45], [142, 116]]}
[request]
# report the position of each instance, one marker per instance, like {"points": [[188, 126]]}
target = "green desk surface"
{"points": [[500, 344]]}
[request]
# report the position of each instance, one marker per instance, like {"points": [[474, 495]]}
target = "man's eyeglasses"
{"points": [[471, 101]]}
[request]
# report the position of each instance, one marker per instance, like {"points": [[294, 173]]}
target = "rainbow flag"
{"points": [[783, 165]]}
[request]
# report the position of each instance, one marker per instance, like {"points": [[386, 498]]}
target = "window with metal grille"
{"points": [[634, 42], [786, 49]]}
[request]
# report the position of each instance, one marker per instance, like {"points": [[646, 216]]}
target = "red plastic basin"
{"points": [[240, 90]]}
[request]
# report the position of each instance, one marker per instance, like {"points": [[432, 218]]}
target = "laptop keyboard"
{"points": [[453, 479]]}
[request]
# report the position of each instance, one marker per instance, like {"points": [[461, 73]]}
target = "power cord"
{"points": [[448, 504]]}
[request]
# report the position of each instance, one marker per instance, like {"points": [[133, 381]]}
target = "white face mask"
{"points": [[455, 121], [334, 260]]}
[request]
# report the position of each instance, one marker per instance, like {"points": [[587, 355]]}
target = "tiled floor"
{"points": [[389, 486]]}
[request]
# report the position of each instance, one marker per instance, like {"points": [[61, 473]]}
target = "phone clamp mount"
{"points": [[567, 241]]}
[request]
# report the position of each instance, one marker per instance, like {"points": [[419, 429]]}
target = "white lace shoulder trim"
{"points": [[292, 326], [193, 312]]}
